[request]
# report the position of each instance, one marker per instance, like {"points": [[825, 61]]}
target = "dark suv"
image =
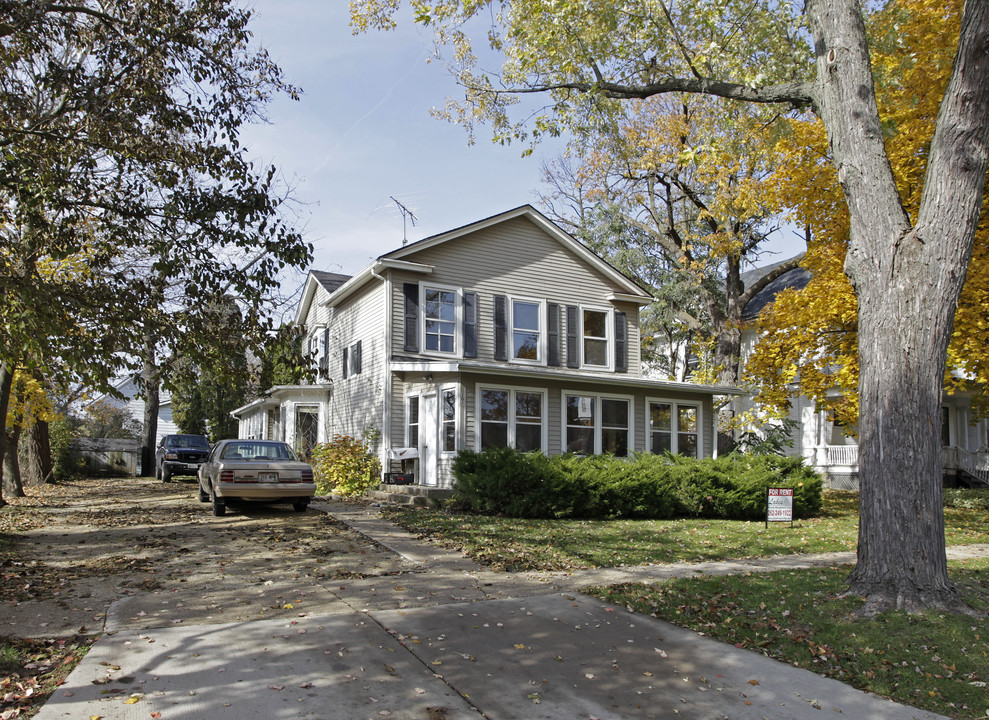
{"points": [[180, 455]]}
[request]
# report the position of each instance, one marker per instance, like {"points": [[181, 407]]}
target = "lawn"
{"points": [[512, 544], [936, 662]]}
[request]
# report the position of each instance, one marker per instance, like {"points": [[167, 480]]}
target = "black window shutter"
{"points": [[621, 342], [470, 325], [573, 358], [553, 334], [411, 292], [356, 358], [345, 366], [501, 327]]}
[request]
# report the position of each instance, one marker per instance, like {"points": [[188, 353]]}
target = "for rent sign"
{"points": [[779, 505]]}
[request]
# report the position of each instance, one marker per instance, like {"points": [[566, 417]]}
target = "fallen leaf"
{"points": [[131, 700], [753, 682], [519, 646]]}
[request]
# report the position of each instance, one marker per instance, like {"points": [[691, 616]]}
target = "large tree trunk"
{"points": [[150, 386], [38, 453], [907, 280], [6, 383], [12, 486]]}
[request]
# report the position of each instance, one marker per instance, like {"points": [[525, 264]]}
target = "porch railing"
{"points": [[975, 464], [841, 455]]}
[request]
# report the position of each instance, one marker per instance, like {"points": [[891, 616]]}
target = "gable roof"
{"points": [[796, 279], [331, 282], [628, 286]]}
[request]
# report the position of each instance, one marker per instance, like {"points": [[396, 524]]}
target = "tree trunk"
{"points": [[40, 468], [6, 383], [907, 280], [12, 486], [728, 346], [150, 385]]}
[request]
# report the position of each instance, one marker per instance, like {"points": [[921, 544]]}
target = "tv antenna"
{"points": [[407, 215]]}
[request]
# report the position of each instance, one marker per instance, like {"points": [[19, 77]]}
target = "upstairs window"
{"points": [[528, 333], [596, 338], [439, 312]]}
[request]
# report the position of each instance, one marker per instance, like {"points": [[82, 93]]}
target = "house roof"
{"points": [[796, 279], [627, 289], [331, 282]]}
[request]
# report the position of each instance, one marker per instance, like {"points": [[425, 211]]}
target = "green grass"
{"points": [[514, 544], [936, 662]]}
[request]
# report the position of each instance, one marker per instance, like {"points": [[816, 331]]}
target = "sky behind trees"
{"points": [[363, 132]]}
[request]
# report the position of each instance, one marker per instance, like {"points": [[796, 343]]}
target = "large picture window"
{"points": [[674, 428], [596, 425], [440, 320], [511, 418]]}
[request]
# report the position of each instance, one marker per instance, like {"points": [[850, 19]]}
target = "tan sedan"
{"points": [[262, 470]]}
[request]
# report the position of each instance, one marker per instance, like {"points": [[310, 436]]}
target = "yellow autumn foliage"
{"points": [[810, 334]]}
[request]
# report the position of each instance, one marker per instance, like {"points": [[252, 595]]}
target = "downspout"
{"points": [[387, 381]]}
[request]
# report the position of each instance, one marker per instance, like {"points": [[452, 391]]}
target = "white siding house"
{"points": [[507, 331]]}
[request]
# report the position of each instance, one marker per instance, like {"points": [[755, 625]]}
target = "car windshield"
{"points": [[187, 441], [257, 451]]}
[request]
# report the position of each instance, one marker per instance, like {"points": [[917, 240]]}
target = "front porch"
{"points": [[839, 466]]}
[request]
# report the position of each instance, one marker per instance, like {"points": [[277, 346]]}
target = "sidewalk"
{"points": [[451, 640]]}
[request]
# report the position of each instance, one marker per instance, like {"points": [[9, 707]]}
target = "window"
{"points": [[440, 318], [614, 427], [412, 422], [595, 336], [511, 418], [674, 428], [527, 335], [596, 425], [356, 359], [580, 425], [306, 428], [449, 422]]}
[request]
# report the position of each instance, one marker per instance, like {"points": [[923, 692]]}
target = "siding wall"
{"points": [[357, 401], [519, 259]]}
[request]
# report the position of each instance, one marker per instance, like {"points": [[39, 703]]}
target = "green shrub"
{"points": [[967, 498], [344, 466], [507, 482]]}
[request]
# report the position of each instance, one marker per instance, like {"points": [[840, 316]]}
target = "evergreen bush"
{"points": [[506, 482]]}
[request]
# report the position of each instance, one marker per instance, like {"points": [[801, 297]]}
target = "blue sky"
{"points": [[363, 132]]}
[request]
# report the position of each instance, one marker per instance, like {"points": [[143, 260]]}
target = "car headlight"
{"points": [[171, 456]]}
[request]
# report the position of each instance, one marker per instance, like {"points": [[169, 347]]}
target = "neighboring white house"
{"points": [[504, 332], [825, 444], [134, 405]]}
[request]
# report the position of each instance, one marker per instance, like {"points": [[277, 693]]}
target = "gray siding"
{"points": [[358, 400], [514, 258]]}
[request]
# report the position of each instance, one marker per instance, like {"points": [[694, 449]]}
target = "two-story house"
{"points": [[505, 332]]}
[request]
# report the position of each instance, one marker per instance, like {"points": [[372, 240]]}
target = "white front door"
{"points": [[428, 439]]}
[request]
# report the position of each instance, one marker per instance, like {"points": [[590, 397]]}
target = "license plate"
{"points": [[268, 477]]}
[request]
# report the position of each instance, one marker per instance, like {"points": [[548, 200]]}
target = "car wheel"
{"points": [[166, 474], [301, 505], [219, 506], [203, 495]]}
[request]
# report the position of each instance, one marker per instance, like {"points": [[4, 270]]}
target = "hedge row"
{"points": [[532, 485]]}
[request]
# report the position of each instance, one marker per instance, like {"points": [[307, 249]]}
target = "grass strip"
{"points": [[518, 545], [936, 662]]}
